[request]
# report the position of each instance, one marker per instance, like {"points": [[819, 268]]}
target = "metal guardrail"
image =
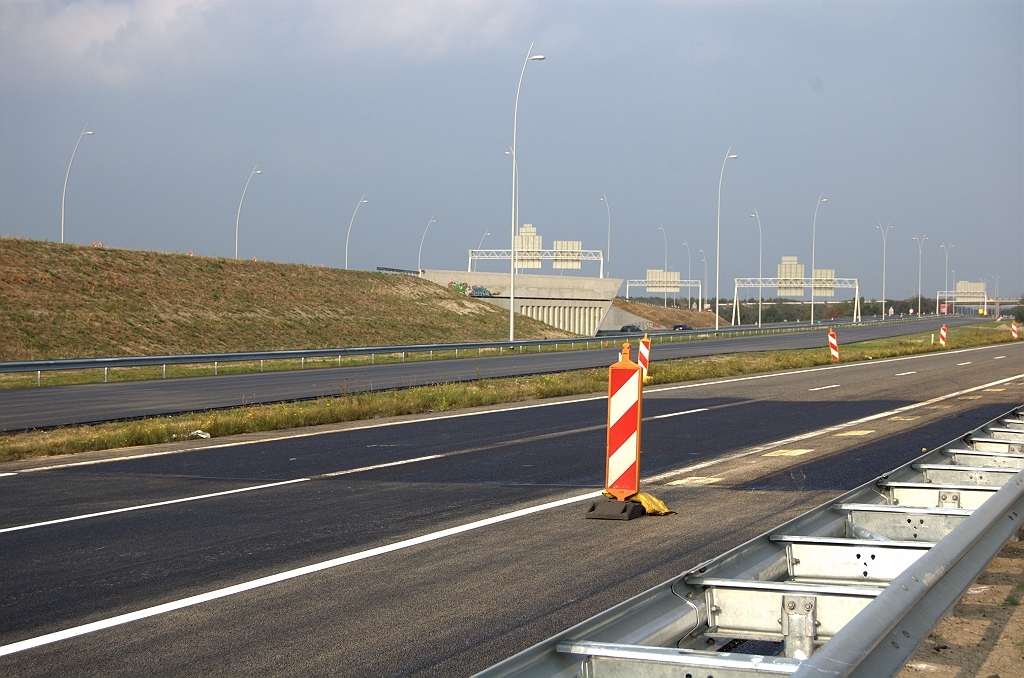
{"points": [[500, 346], [851, 588]]}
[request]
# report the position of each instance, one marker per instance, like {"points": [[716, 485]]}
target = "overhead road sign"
{"points": [[821, 283]]}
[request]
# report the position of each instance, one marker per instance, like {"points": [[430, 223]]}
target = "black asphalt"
{"points": [[50, 406], [459, 604]]}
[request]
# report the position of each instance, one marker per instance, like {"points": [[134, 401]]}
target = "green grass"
{"points": [[445, 397]]}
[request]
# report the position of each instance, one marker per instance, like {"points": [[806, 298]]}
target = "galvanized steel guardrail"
{"points": [[851, 588], [501, 346]]}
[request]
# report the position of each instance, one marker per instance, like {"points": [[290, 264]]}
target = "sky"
{"points": [[910, 113]]}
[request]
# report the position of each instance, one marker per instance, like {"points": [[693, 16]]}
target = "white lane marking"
{"points": [[903, 374], [789, 453], [513, 408], [677, 414], [7, 474], [696, 480], [962, 364], [861, 432], [999, 357], [400, 462], [154, 504], [281, 576], [761, 449], [822, 388]]}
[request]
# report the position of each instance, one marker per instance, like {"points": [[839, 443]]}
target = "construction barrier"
{"points": [[833, 345], [644, 355], [942, 337], [1013, 330], [625, 386]]}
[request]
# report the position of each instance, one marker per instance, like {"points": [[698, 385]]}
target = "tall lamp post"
{"points": [[420, 254], [718, 241], [885, 233], [700, 302], [759, 275], [946, 248], [239, 215], [608, 208], [688, 274], [665, 238], [486, 233], [515, 199], [814, 231], [361, 201], [920, 249], [85, 133]]}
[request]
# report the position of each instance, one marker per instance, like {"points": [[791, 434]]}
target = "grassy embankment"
{"points": [[452, 396]]}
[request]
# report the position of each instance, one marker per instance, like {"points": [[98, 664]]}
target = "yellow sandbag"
{"points": [[652, 505]]}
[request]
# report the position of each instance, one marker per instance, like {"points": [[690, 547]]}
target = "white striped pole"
{"points": [[833, 345], [622, 468], [1013, 330], [942, 337], [644, 355]]}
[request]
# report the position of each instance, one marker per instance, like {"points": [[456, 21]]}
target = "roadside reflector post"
{"points": [[1013, 330], [644, 356], [942, 337], [833, 344]]}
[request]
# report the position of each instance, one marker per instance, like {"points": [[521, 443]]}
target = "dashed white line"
{"points": [[999, 357], [676, 414], [903, 374], [962, 364], [822, 388]]}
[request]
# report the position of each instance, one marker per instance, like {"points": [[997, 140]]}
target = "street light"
{"points": [[486, 233], [814, 231], [700, 302], [432, 221], [885, 233], [920, 249], [515, 199], [361, 201], [718, 241], [84, 133], [665, 238], [688, 278], [239, 215], [755, 215], [608, 261], [945, 248]]}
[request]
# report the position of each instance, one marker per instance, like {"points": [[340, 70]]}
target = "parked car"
{"points": [[681, 326], [630, 328]]}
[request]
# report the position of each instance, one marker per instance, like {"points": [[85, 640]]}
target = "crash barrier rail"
{"points": [[851, 588], [40, 366]]}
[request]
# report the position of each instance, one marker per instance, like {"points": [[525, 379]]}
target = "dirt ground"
{"points": [[985, 637]]}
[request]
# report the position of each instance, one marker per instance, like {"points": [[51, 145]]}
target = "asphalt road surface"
{"points": [[50, 406], [436, 545]]}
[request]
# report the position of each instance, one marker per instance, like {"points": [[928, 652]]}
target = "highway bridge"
{"points": [[437, 545]]}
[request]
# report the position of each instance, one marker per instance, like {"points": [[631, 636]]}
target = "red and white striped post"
{"points": [[625, 386], [942, 337], [644, 355], [1013, 330], [833, 345]]}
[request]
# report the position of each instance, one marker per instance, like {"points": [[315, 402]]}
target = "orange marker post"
{"points": [[1013, 330], [644, 356], [833, 344], [942, 337], [625, 389]]}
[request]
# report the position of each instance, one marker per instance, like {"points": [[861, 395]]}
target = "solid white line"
{"points": [[458, 415], [822, 388], [820, 432], [281, 576], [962, 364], [903, 374], [676, 414], [154, 504]]}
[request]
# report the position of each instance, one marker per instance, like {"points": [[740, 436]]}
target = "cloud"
{"points": [[124, 44]]}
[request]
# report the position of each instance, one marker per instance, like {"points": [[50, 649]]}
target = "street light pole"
{"points": [[515, 199], [920, 249], [688, 275], [946, 248], [420, 254], [665, 289], [814, 231], [607, 207], [347, 235], [84, 133], [239, 215], [885, 233], [718, 241], [486, 233], [700, 302], [759, 274]]}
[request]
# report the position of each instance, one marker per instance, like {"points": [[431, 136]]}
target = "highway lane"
{"points": [[51, 406], [458, 604]]}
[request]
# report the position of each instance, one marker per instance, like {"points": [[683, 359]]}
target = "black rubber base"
{"points": [[612, 509]]}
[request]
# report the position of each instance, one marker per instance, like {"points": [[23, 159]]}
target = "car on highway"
{"points": [[680, 327], [630, 328]]}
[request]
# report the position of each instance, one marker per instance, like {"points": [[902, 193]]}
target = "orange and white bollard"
{"points": [[625, 389], [644, 356], [833, 345], [1013, 330], [942, 337]]}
